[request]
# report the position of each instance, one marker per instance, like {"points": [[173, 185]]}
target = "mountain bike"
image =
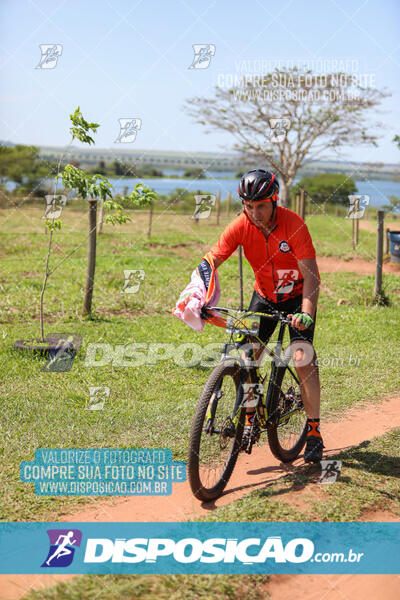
{"points": [[218, 432]]}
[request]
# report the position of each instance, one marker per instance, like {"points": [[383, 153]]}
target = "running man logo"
{"points": [[357, 206], [279, 129], [132, 280], [128, 129], [62, 355], [54, 205], [63, 543], [97, 397], [50, 55], [330, 471], [251, 393], [204, 203], [202, 55], [287, 279]]}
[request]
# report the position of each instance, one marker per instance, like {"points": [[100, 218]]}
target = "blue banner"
{"points": [[246, 548]]}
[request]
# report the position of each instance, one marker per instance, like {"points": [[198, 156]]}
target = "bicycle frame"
{"points": [[249, 367]]}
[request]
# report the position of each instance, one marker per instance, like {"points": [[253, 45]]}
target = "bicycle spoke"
{"points": [[292, 415], [215, 438], [216, 447]]}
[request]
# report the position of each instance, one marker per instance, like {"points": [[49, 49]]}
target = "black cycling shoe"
{"points": [[313, 451]]}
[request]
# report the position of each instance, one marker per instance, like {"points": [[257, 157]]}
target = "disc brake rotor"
{"points": [[227, 433]]}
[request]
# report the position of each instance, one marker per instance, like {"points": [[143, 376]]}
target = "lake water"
{"points": [[377, 190]]}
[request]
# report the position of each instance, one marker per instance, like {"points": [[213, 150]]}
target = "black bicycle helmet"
{"points": [[258, 185]]}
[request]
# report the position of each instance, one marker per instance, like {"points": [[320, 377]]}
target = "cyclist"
{"points": [[278, 246]]}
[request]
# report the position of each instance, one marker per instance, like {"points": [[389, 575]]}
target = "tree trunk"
{"points": [[101, 218], [283, 193], [150, 220], [302, 211], [218, 202], [45, 278], [91, 259]]}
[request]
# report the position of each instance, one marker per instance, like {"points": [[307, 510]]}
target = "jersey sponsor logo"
{"points": [[284, 246], [287, 279]]}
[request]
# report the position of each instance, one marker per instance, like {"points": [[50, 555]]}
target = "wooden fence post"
{"points": [[379, 255], [387, 244], [302, 204], [355, 223], [228, 202], [196, 217], [218, 203]]}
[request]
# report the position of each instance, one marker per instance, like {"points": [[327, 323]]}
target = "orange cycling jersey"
{"points": [[274, 259]]}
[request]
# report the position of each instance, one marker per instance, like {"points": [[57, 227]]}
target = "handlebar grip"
{"points": [[204, 313]]}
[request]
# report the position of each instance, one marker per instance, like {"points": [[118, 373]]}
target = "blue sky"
{"points": [[130, 58]]}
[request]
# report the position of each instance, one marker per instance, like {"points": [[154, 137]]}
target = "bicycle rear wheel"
{"points": [[287, 435], [216, 432]]}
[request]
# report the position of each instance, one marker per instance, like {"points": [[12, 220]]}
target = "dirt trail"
{"points": [[252, 472], [371, 225], [334, 587], [332, 264]]}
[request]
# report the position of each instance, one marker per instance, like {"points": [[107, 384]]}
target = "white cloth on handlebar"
{"points": [[194, 297]]}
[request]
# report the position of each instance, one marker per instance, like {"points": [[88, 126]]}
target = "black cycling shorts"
{"points": [[291, 306]]}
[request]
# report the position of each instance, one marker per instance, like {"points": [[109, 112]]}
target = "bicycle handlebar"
{"points": [[273, 316]]}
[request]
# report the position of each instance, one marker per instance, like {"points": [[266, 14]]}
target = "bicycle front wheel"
{"points": [[288, 431], [216, 432]]}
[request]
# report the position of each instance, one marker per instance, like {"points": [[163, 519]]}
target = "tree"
{"points": [[118, 167], [94, 188], [394, 206], [194, 173], [22, 165], [334, 188], [101, 167], [287, 118]]}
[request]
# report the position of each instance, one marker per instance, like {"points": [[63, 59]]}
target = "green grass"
{"points": [[332, 236], [369, 481], [149, 406], [157, 587]]}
